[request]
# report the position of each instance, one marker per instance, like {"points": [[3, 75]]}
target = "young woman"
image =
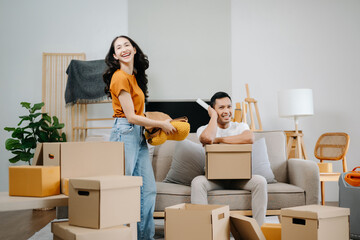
{"points": [[126, 84]]}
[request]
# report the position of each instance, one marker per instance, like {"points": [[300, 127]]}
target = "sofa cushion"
{"points": [[188, 162], [169, 194], [260, 161], [276, 148], [279, 195]]}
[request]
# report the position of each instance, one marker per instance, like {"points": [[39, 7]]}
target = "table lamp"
{"points": [[295, 103]]}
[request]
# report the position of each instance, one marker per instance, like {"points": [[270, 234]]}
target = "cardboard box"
{"points": [[193, 221], [271, 231], [325, 167], [51, 154], [83, 159], [65, 186], [105, 201], [315, 222], [243, 227], [34, 181], [228, 161], [64, 231]]}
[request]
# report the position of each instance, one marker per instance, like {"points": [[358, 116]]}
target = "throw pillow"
{"points": [[260, 161], [187, 163]]}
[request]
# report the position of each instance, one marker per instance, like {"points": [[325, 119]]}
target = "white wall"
{"points": [[282, 44], [29, 28], [188, 45]]}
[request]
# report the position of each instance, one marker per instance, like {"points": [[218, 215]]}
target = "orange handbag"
{"points": [[353, 177]]}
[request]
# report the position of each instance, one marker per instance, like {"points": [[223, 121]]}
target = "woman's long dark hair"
{"points": [[141, 63]]}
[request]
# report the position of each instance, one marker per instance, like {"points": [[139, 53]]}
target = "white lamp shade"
{"points": [[295, 103]]}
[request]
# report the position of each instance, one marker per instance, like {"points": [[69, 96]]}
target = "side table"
{"points": [[327, 177]]}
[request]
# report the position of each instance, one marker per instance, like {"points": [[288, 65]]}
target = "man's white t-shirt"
{"points": [[235, 128]]}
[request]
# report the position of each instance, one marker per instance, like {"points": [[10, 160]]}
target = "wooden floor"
{"points": [[19, 225]]}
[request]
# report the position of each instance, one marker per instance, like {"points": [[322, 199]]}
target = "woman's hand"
{"points": [[167, 127]]}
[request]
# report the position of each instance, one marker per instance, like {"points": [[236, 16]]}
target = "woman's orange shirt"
{"points": [[122, 81]]}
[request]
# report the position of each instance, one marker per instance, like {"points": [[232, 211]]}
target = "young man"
{"points": [[222, 130]]}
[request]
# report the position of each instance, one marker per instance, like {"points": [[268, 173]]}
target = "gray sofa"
{"points": [[298, 179]]}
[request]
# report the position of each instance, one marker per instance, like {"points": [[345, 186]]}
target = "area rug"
{"points": [[45, 233]]}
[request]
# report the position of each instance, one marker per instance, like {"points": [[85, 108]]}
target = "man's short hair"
{"points": [[218, 95]]}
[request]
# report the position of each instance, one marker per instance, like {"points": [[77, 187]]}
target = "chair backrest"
{"points": [[332, 146]]}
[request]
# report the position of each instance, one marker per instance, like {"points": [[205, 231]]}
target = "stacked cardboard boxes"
{"points": [[55, 162], [82, 159], [100, 206], [101, 199]]}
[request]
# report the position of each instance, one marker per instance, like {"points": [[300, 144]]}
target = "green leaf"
{"points": [[54, 136], [26, 156], [15, 159], [34, 125], [59, 126], [24, 118], [63, 136], [43, 136], [17, 152], [46, 117], [29, 143], [37, 106], [25, 105], [56, 120], [34, 115], [9, 129], [45, 127], [18, 133], [12, 144]]}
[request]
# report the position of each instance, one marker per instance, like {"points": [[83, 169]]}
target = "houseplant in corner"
{"points": [[32, 128]]}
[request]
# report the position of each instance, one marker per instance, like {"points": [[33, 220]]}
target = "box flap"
{"points": [[38, 155], [314, 212], [243, 227], [228, 148], [106, 182]]}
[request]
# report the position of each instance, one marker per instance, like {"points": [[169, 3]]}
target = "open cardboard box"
{"points": [[104, 201], [64, 231], [195, 221], [208, 222], [82, 159], [315, 222], [228, 161]]}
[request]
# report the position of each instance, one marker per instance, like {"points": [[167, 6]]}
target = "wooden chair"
{"points": [[331, 147]]}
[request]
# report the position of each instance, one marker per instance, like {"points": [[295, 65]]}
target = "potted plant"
{"points": [[32, 128]]}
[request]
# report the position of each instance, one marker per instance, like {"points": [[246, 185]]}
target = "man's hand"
{"points": [[212, 113]]}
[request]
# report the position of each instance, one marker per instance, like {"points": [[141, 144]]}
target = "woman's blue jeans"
{"points": [[137, 163]]}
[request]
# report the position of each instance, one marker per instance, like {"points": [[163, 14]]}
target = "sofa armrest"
{"points": [[305, 174]]}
